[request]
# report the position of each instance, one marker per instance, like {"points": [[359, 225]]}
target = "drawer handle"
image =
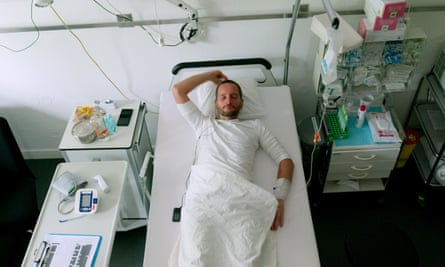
{"points": [[366, 168], [358, 175], [364, 158]]}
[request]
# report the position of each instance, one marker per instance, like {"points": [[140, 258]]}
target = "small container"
{"points": [[361, 116], [84, 132], [366, 100]]}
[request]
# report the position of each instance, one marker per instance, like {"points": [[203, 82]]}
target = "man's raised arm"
{"points": [[184, 87]]}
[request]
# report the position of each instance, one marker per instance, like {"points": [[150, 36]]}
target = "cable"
{"points": [[316, 140], [118, 13], [187, 27], [64, 201], [140, 26], [195, 150], [71, 218], [87, 53], [123, 16], [33, 42]]}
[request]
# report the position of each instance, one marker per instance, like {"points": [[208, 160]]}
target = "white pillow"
{"points": [[253, 107]]}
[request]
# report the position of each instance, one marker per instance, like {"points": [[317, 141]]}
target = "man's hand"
{"points": [[217, 76], [279, 216]]}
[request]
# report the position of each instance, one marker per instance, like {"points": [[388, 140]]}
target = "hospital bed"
{"points": [[175, 146]]}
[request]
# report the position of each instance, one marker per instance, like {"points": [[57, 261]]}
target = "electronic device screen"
{"points": [[85, 201], [124, 117]]}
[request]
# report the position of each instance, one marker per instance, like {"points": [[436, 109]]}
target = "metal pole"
{"points": [[296, 7]]}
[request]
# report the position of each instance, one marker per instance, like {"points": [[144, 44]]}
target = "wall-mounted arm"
{"points": [[193, 13], [188, 30], [335, 22]]}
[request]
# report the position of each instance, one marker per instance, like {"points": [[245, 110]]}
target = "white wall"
{"points": [[40, 86]]}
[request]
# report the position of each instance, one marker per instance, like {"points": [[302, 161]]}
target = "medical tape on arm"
{"points": [[281, 189]]}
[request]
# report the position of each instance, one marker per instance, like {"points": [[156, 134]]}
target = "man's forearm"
{"points": [[286, 169], [285, 173], [184, 87]]}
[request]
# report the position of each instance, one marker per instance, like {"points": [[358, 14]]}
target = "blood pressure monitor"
{"points": [[86, 201]]}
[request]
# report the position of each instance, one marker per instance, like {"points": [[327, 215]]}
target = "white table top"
{"points": [[103, 222], [123, 137]]}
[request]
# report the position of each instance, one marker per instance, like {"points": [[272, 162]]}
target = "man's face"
{"points": [[228, 101]]}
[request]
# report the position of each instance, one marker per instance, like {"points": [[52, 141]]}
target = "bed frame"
{"points": [[296, 243]]}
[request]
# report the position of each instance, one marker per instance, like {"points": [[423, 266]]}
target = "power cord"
{"points": [[189, 29], [65, 200], [33, 42], [158, 41], [316, 140], [87, 52]]}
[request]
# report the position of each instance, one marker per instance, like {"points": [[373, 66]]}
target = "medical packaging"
{"points": [[372, 54], [381, 24], [392, 52], [365, 29], [386, 9], [382, 127], [329, 63]]}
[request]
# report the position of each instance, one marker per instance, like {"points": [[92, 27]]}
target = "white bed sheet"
{"points": [[296, 243]]}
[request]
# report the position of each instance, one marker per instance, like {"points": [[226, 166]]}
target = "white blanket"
{"points": [[225, 222]]}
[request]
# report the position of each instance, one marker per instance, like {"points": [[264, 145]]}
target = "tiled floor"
{"points": [[335, 216]]}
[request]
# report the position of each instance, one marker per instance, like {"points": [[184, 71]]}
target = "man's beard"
{"points": [[234, 113], [231, 114]]}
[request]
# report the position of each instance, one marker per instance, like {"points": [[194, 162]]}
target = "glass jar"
{"points": [[97, 119]]}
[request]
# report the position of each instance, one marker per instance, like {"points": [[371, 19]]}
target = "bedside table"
{"points": [[357, 163]]}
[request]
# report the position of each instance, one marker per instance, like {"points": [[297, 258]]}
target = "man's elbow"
{"points": [[178, 94], [175, 90]]}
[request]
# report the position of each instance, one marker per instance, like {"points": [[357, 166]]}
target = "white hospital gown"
{"points": [[230, 144]]}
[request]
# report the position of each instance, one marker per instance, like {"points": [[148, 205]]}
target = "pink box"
{"points": [[386, 8], [380, 24]]}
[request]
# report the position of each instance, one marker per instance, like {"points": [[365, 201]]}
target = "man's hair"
{"points": [[232, 82]]}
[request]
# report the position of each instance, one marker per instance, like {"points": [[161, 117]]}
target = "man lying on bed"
{"points": [[225, 217]]}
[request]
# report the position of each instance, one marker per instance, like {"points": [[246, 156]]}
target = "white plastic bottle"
{"points": [[361, 116]]}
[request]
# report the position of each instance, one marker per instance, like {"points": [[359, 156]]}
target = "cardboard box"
{"points": [[369, 35], [386, 9]]}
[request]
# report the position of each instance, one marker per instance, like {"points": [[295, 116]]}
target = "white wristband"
{"points": [[281, 189]]}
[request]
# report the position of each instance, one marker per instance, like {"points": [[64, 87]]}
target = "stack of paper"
{"points": [[68, 250]]}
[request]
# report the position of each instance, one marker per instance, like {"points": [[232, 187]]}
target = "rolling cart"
{"points": [[429, 110]]}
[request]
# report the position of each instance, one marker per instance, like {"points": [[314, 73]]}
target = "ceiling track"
{"points": [[302, 14]]}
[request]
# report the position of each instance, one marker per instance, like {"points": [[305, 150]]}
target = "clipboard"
{"points": [[67, 250]]}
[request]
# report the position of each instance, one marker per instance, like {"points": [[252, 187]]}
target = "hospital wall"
{"points": [[40, 86]]}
